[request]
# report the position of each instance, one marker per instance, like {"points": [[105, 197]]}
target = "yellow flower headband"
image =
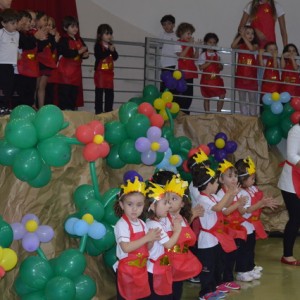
{"points": [[251, 169], [224, 166], [176, 185], [136, 186], [212, 175]]}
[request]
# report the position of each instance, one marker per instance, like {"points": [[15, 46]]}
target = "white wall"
{"points": [[132, 20]]}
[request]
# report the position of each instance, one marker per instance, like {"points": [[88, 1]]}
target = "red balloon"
{"points": [[295, 103], [193, 151], [104, 149], [157, 120], [146, 109], [185, 167], [91, 152], [97, 127], [204, 148], [295, 117], [84, 134]]}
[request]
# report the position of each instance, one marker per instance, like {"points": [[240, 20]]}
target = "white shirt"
{"points": [[168, 58], [9, 43], [202, 57], [293, 156], [279, 10], [158, 248], [249, 227]]}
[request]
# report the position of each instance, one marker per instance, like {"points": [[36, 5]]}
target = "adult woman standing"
{"points": [[262, 16], [289, 183]]}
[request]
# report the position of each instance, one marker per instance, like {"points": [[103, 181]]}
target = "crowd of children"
{"points": [[163, 238]]}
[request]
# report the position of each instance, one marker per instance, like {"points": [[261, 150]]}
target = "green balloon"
{"points": [[185, 143], [83, 193], [115, 132], [273, 135], [107, 241], [184, 175], [136, 100], [159, 157], [150, 93], [93, 207], [110, 216], [269, 119], [21, 133], [55, 151], [110, 196], [128, 153], [49, 120], [60, 288], [71, 263], [85, 287], [39, 295], [287, 110], [113, 159], [35, 272], [137, 126], [127, 110], [6, 234], [7, 153], [43, 178], [110, 257], [27, 164], [167, 133], [285, 125], [24, 112], [174, 145], [91, 249], [22, 288]]}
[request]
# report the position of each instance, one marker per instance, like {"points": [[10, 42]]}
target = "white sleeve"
{"points": [[279, 10], [293, 145], [164, 238], [202, 59], [122, 232], [177, 48], [247, 8]]}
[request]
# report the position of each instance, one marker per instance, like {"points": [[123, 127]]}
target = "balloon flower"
{"points": [[276, 101], [148, 110], [295, 104], [221, 147], [151, 144], [31, 233], [92, 135], [164, 103], [8, 260], [174, 80], [170, 162]]}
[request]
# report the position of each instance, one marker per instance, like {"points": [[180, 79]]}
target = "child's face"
{"points": [[10, 26], [168, 26], [107, 37], [292, 50], [249, 34], [42, 22], [161, 208], [33, 19], [72, 30], [50, 24], [24, 24], [272, 48], [229, 178], [249, 181], [175, 202], [212, 187], [133, 206], [186, 36], [212, 43]]}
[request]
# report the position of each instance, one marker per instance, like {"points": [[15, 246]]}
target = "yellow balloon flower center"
{"points": [[88, 218], [275, 96], [98, 139], [155, 146], [174, 160], [31, 226], [220, 143]]}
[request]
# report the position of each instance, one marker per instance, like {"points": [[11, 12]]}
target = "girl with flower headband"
{"points": [[159, 262], [245, 266], [212, 240], [133, 239], [227, 175]]}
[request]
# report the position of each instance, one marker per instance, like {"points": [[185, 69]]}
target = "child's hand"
{"points": [[154, 234], [242, 200], [82, 50], [269, 202], [286, 55], [57, 36], [111, 47], [198, 211], [177, 223], [40, 35], [261, 51], [233, 190]]}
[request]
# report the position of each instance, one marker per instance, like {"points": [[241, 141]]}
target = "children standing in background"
{"points": [[211, 84], [72, 50], [245, 262], [132, 239], [186, 63], [262, 16], [246, 71], [168, 60], [105, 55], [290, 70], [9, 42], [271, 77]]}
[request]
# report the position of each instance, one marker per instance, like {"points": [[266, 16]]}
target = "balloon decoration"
{"points": [[174, 80], [278, 116], [170, 162], [166, 102]]}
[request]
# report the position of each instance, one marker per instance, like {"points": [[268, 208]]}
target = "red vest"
{"points": [[270, 74], [47, 57], [132, 271], [289, 75], [28, 64]]}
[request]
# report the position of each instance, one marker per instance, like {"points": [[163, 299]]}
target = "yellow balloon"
{"points": [[155, 146], [31, 226], [98, 139], [174, 160], [88, 218], [159, 103], [167, 96], [177, 74], [275, 96], [163, 113], [9, 259], [220, 143], [174, 108]]}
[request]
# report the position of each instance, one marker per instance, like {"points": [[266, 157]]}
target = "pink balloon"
{"points": [[45, 233], [30, 242], [154, 133]]}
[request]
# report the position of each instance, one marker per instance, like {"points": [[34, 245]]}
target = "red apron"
{"points": [[295, 178], [69, 69], [186, 65], [225, 240], [245, 69], [47, 57], [260, 232], [104, 74], [184, 263], [288, 76], [264, 21], [28, 64], [270, 74], [132, 271], [212, 79]]}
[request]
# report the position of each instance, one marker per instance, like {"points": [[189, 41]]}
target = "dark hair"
{"points": [[9, 15], [255, 39], [24, 14], [40, 14], [209, 36], [102, 29], [166, 18], [68, 21], [183, 28], [269, 44], [254, 8], [200, 176], [286, 48], [162, 177], [191, 164], [241, 167]]}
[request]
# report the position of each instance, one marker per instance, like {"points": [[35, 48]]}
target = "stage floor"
{"points": [[278, 282]]}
